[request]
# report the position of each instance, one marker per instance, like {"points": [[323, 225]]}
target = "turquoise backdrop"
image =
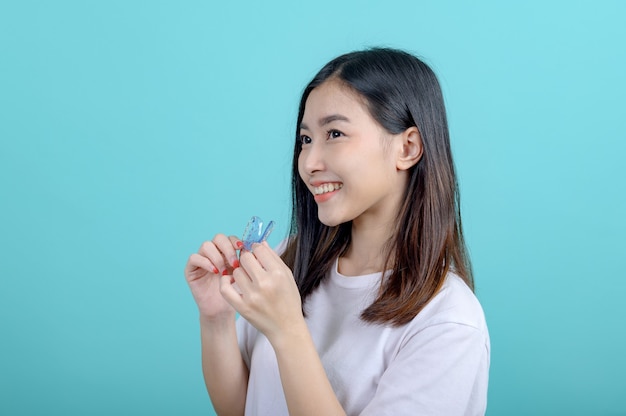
{"points": [[131, 131]]}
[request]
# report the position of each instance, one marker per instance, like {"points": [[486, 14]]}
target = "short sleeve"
{"points": [[440, 370]]}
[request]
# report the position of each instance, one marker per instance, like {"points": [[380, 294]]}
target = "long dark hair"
{"points": [[401, 92]]}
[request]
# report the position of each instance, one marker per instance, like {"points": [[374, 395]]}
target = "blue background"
{"points": [[131, 131]]}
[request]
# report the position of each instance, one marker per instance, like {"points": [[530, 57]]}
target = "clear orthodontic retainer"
{"points": [[254, 232]]}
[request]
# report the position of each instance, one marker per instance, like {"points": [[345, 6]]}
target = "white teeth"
{"points": [[327, 187]]}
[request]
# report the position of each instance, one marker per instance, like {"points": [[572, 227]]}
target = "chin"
{"points": [[331, 223], [331, 220]]}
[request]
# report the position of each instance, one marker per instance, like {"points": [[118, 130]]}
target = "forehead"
{"points": [[334, 97]]}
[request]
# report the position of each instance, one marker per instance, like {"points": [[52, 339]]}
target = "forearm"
{"points": [[225, 372], [305, 384]]}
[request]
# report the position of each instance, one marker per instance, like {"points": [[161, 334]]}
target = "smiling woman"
{"points": [[369, 307]]}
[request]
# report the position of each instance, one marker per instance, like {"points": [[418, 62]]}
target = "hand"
{"points": [[266, 294], [203, 270]]}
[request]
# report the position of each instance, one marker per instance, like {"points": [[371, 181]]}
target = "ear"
{"points": [[410, 150]]}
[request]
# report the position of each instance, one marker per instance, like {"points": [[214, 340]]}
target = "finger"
{"points": [[236, 242], [267, 258], [242, 279], [228, 250], [230, 294], [198, 261], [250, 264], [210, 251]]}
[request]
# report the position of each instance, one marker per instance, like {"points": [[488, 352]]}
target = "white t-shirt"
{"points": [[437, 364]]}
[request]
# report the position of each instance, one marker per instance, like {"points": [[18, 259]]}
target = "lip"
{"points": [[325, 197], [315, 184], [319, 198]]}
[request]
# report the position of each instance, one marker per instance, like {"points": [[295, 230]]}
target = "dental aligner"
{"points": [[254, 232]]}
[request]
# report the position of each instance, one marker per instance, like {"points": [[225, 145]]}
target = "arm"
{"points": [[305, 384], [269, 299], [225, 373]]}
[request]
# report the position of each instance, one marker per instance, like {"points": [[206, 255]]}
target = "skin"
{"points": [[225, 373], [342, 144], [371, 164]]}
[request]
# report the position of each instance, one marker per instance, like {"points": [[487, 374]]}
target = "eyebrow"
{"points": [[327, 120]]}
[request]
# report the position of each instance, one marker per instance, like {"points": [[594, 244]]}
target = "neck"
{"points": [[370, 233], [366, 253]]}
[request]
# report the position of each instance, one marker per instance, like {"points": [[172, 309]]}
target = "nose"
{"points": [[311, 159]]}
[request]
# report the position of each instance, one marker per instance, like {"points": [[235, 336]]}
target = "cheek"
{"points": [[301, 170]]}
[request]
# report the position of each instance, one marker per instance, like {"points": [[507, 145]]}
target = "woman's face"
{"points": [[348, 161]]}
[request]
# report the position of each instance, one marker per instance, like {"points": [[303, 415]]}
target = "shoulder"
{"points": [[451, 326], [447, 344], [454, 304]]}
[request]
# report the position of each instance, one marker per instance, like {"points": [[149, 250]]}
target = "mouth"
{"points": [[327, 188]]}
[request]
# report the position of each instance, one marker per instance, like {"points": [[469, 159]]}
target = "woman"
{"points": [[369, 310]]}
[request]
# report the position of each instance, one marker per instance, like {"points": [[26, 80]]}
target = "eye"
{"points": [[304, 139], [333, 134]]}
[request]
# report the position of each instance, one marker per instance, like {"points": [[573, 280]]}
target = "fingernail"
{"points": [[235, 263], [239, 244], [225, 272], [215, 271]]}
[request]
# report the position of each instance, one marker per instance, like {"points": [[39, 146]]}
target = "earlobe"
{"points": [[411, 149]]}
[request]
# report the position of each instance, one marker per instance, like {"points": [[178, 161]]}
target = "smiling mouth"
{"points": [[326, 188]]}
